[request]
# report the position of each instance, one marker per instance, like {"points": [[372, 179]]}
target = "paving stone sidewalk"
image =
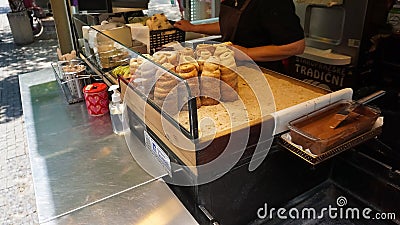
{"points": [[17, 199]]}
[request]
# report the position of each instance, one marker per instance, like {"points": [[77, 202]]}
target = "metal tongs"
{"points": [[344, 113]]}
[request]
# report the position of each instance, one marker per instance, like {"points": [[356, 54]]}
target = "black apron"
{"points": [[229, 20]]}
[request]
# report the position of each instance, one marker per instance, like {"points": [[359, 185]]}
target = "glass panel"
{"points": [[151, 78], [108, 53], [81, 32], [203, 90], [154, 78], [225, 85]]}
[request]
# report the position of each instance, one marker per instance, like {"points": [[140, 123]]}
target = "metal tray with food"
{"points": [[286, 141], [315, 131]]}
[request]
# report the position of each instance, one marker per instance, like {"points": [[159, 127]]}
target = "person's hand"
{"points": [[184, 25]]}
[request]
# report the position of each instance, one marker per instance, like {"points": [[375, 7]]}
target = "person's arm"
{"points": [[273, 52], [210, 28]]}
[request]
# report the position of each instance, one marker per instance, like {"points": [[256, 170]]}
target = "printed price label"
{"points": [[158, 153]]}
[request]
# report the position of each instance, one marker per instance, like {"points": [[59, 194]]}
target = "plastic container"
{"points": [[96, 98], [314, 132], [112, 58], [116, 109]]}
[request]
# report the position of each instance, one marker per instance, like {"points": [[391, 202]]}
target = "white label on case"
{"points": [[160, 155]]}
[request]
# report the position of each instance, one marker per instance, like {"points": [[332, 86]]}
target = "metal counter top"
{"points": [[83, 173]]}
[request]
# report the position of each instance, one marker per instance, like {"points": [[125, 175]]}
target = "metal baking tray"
{"points": [[316, 159]]}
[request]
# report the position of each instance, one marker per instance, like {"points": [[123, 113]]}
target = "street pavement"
{"points": [[17, 198]]}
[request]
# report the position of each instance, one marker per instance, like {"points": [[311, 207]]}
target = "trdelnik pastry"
{"points": [[210, 82], [204, 47], [221, 49], [145, 78], [229, 76], [166, 56], [186, 52], [188, 70], [187, 59], [204, 55], [165, 91]]}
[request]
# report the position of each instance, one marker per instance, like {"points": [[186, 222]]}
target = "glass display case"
{"points": [[204, 102], [205, 111]]}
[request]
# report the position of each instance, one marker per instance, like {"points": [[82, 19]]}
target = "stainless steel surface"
{"points": [[80, 167], [149, 204], [349, 24]]}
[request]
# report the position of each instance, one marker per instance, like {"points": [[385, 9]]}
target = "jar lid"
{"points": [[95, 88]]}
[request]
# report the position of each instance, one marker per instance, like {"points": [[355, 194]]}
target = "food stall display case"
{"points": [[238, 138], [179, 127]]}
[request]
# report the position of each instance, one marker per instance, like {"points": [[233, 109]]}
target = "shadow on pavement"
{"points": [[16, 60], [10, 99]]}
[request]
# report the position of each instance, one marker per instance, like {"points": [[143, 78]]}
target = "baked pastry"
{"points": [[204, 55], [186, 59], [165, 91], [189, 72], [158, 22], [210, 82], [229, 92], [186, 52], [204, 47], [160, 58], [134, 64], [66, 57], [166, 56], [220, 49], [147, 74]]}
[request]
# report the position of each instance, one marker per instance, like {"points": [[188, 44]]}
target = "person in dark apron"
{"points": [[268, 31]]}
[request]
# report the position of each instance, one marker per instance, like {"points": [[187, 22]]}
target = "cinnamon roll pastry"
{"points": [[160, 58], [172, 57]]}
